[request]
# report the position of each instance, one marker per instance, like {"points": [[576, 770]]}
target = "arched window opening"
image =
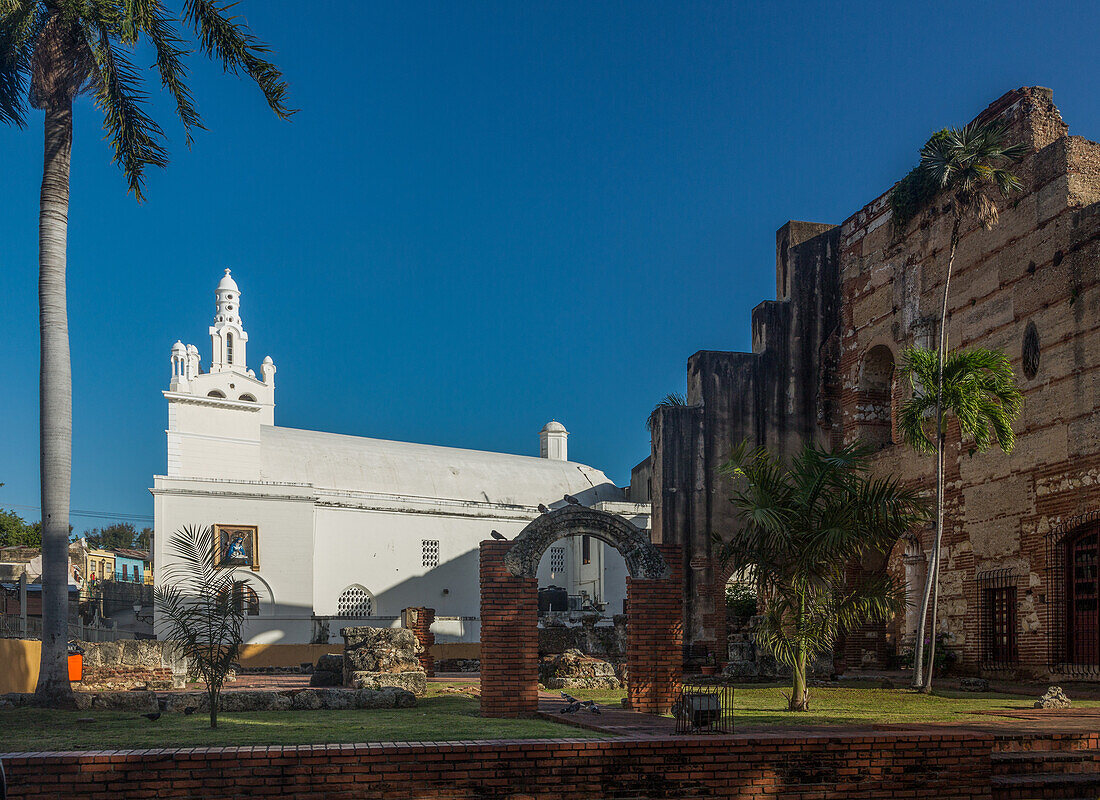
{"points": [[229, 348], [355, 601], [216, 393], [875, 399], [244, 601], [248, 398]]}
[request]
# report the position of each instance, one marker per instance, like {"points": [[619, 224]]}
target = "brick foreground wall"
{"points": [[654, 636], [509, 637], [883, 767]]}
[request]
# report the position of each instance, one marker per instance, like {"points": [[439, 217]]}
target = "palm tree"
{"points": [[966, 163], [802, 525], [201, 609], [51, 51], [979, 389], [670, 400]]}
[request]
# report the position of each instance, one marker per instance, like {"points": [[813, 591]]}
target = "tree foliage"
{"points": [[54, 50], [198, 608], [15, 531], [979, 390], [802, 525]]}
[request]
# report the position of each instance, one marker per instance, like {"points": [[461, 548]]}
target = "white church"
{"points": [[329, 530]]}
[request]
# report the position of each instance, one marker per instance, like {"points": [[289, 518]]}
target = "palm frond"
{"points": [[20, 22], [135, 136], [670, 400], [229, 39]]}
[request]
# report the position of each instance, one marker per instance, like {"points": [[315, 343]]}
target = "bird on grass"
{"points": [[571, 500], [543, 509], [569, 698], [152, 716], [189, 710], [500, 537], [591, 706]]}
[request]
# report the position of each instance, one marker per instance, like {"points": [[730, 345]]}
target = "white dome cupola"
{"points": [[554, 441], [227, 335]]}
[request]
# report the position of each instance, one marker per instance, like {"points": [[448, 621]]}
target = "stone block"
{"points": [[326, 678], [388, 697], [379, 650], [974, 685], [575, 670], [415, 682], [330, 662], [142, 702], [305, 700], [1054, 697]]}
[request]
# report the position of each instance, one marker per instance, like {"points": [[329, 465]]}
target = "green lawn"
{"points": [[450, 712], [859, 704], [437, 718]]}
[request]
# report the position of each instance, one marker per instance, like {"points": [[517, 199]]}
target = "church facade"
{"points": [[328, 530]]}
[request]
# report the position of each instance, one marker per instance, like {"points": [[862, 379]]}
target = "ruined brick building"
{"points": [[1019, 591]]}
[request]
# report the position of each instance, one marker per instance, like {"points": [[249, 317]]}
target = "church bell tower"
{"points": [[227, 335]]}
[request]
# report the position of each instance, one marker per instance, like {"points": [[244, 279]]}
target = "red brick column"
{"points": [[655, 636], [509, 637], [419, 620]]}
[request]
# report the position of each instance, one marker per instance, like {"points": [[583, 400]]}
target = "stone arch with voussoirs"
{"points": [[509, 611]]}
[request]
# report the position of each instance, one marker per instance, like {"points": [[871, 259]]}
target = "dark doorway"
{"points": [[1083, 611]]}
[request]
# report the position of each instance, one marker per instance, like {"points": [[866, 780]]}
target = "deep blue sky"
{"points": [[486, 215]]}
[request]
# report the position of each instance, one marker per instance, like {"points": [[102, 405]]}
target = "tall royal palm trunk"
{"points": [[55, 398], [931, 586]]}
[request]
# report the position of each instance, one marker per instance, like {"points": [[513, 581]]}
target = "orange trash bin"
{"points": [[76, 667]]}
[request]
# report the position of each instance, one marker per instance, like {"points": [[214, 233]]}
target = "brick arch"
{"points": [[510, 615], [643, 559]]}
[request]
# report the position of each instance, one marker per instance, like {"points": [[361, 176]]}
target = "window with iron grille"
{"points": [[557, 560], [997, 626], [429, 550]]}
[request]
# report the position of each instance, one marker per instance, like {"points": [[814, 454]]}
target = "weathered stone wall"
{"points": [[130, 664], [603, 641], [1039, 265], [777, 395], [850, 300]]}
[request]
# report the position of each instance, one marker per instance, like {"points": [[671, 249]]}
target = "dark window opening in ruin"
{"points": [[997, 621], [1031, 350], [586, 550], [1057, 258], [875, 398]]}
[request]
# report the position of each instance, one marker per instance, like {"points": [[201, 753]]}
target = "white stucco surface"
{"points": [[334, 511]]}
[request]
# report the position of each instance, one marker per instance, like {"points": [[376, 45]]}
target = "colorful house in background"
{"points": [[132, 565], [99, 565]]}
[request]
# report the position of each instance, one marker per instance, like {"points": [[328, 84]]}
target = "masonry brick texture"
{"points": [[850, 299], [509, 637], [848, 767], [419, 620]]}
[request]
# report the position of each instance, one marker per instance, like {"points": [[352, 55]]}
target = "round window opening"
{"points": [[1031, 350]]}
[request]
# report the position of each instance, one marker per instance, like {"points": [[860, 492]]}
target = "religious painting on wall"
{"points": [[236, 546]]}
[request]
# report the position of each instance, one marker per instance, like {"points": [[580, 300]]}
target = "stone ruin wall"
{"points": [[1040, 264]]}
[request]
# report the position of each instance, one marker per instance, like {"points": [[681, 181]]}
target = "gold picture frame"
{"points": [[237, 546]]}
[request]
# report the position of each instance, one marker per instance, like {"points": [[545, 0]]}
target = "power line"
{"points": [[93, 514]]}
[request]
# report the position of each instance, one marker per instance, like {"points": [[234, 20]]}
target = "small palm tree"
{"points": [[979, 389], [802, 525], [967, 164], [670, 400], [199, 607], [52, 51]]}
